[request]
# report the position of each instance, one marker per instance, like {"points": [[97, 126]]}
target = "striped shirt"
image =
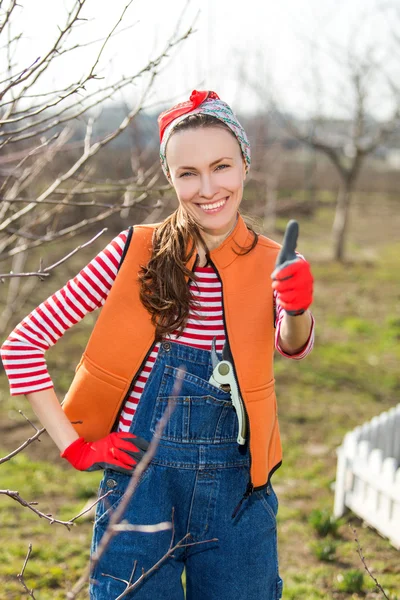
{"points": [[23, 353]]}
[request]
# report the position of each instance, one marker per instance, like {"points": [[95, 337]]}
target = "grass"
{"points": [[351, 376], [58, 555]]}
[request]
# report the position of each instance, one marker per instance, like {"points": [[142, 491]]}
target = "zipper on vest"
{"points": [[128, 393], [250, 487]]}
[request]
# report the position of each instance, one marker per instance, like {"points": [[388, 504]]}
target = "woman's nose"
{"points": [[208, 188]]}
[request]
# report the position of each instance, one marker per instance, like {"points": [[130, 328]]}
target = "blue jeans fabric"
{"points": [[199, 474]]}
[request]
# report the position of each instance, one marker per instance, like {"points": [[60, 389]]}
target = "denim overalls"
{"points": [[199, 470]]}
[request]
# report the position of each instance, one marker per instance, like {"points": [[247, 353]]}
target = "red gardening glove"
{"points": [[119, 451], [294, 285], [292, 278]]}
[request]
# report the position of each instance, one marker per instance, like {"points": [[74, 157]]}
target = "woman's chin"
{"points": [[218, 226]]}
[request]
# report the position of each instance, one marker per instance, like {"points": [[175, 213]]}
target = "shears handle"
{"points": [[223, 375]]}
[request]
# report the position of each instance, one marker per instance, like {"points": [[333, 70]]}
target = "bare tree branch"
{"points": [[40, 65], [359, 550], [49, 517], [58, 96], [42, 273], [94, 149], [22, 447], [74, 88], [67, 232], [8, 15], [15, 496], [28, 155], [99, 97], [20, 576], [130, 587]]}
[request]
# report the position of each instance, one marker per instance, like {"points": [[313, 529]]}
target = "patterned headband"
{"points": [[206, 103]]}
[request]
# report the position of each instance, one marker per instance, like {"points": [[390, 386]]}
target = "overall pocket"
{"points": [[115, 484], [199, 411], [269, 502], [176, 382]]}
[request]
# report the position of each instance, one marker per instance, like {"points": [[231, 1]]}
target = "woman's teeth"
{"points": [[213, 206]]}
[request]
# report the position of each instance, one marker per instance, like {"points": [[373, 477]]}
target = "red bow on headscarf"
{"points": [[196, 98]]}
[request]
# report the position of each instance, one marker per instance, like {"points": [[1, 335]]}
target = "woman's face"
{"points": [[208, 172]]}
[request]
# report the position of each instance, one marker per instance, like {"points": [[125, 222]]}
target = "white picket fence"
{"points": [[368, 474]]}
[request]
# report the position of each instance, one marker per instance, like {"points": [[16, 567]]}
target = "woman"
{"points": [[176, 295]]}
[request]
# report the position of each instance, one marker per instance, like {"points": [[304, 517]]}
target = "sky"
{"points": [[245, 51]]}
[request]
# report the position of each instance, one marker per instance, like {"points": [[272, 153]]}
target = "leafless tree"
{"points": [[44, 173], [359, 83], [347, 143]]}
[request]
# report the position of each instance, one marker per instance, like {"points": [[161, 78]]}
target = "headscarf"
{"points": [[206, 103]]}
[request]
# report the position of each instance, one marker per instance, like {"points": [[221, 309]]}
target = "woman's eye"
{"points": [[219, 167]]}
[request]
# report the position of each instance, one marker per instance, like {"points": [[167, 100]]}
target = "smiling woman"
{"points": [[193, 310]]}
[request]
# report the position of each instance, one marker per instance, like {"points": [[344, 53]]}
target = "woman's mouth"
{"points": [[213, 207]]}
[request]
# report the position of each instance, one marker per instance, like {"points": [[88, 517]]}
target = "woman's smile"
{"points": [[213, 207]]}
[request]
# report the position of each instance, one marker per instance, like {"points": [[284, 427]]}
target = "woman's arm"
{"points": [[295, 332], [119, 451], [49, 412]]}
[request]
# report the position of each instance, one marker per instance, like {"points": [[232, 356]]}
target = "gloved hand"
{"points": [[119, 451], [292, 278]]}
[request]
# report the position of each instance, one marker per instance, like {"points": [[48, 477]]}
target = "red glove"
{"points": [[293, 282], [292, 277], [118, 451]]}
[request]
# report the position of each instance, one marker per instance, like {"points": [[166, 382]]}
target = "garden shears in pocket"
{"points": [[223, 376]]}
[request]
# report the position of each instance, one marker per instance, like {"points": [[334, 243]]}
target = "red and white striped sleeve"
{"points": [[23, 351]]}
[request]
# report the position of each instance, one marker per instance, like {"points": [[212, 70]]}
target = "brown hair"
{"points": [[164, 290]]}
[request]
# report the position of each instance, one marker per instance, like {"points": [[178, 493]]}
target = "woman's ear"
{"points": [[244, 170]]}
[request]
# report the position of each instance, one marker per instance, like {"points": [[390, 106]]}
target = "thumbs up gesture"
{"points": [[292, 278]]}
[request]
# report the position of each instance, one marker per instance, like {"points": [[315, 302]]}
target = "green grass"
{"points": [[324, 522], [351, 376], [324, 550], [58, 555]]}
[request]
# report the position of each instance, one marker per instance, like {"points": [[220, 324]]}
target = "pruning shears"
{"points": [[223, 375]]}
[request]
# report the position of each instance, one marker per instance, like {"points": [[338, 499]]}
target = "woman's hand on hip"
{"points": [[119, 451]]}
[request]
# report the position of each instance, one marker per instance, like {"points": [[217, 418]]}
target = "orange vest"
{"points": [[124, 334]]}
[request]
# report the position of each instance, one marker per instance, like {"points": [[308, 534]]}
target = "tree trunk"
{"points": [[340, 223], [271, 199], [309, 177]]}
